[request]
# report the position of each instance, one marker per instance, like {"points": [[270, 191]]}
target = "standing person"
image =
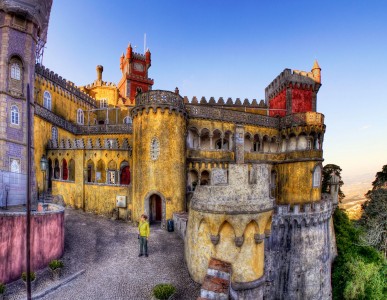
{"points": [[144, 231]]}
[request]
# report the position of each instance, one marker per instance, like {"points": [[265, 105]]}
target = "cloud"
{"points": [[364, 127]]}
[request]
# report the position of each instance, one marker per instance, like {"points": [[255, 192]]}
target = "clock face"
{"points": [[155, 149], [138, 67]]}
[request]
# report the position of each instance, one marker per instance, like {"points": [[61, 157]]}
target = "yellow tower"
{"points": [[159, 130]]}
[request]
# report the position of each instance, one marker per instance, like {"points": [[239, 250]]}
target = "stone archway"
{"points": [[155, 208]]}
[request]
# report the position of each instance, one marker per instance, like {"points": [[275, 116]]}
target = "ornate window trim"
{"points": [[80, 116], [15, 115], [317, 175], [47, 100]]}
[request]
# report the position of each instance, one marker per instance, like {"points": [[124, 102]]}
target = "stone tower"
{"points": [[134, 68], [159, 130], [23, 26]]}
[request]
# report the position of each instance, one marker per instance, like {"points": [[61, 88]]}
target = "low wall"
{"points": [[180, 219], [47, 240]]}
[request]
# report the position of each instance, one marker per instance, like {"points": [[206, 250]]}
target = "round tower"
{"points": [[159, 130]]}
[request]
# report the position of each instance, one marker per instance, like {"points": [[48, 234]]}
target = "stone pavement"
{"points": [[108, 252]]}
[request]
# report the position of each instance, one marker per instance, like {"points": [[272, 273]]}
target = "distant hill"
{"points": [[354, 189]]}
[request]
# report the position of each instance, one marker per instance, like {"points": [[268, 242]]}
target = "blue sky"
{"points": [[236, 48]]}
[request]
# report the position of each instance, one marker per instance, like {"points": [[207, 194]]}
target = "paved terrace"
{"points": [[108, 252]]}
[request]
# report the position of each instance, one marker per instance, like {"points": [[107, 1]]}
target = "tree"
{"points": [[374, 219], [326, 174], [381, 179]]}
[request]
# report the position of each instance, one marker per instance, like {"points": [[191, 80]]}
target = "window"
{"points": [[111, 177], [80, 116], [14, 115], [47, 100], [15, 71], [317, 176], [54, 133], [103, 103], [15, 165], [127, 120]]}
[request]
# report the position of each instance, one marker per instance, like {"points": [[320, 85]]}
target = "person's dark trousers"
{"points": [[143, 245]]}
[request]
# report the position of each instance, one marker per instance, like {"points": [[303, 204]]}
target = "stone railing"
{"points": [[299, 119], [54, 119], [159, 99], [105, 129], [214, 113], [58, 121]]}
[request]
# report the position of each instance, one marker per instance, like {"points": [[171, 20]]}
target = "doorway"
{"points": [[155, 208]]}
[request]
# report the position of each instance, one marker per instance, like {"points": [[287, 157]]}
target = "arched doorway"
{"points": [[155, 208], [155, 211]]}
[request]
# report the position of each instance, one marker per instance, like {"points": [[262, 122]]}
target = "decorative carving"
{"points": [[214, 239], [239, 241], [218, 176], [155, 149], [258, 238]]}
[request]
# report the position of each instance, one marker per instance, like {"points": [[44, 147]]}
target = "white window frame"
{"points": [[111, 177], [54, 133], [317, 176], [80, 116], [15, 115], [103, 103], [15, 71], [47, 100], [14, 165]]}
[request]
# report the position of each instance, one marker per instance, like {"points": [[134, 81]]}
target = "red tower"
{"points": [[293, 92], [134, 68]]}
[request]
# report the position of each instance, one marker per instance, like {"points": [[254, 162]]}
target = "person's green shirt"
{"points": [[143, 228]]}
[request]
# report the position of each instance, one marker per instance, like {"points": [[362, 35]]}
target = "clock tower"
{"points": [[134, 68]]}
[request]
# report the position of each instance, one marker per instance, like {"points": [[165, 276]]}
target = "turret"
{"points": [[129, 52], [316, 71]]}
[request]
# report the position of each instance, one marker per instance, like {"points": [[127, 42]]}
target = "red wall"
{"points": [[301, 100], [278, 102], [47, 242]]}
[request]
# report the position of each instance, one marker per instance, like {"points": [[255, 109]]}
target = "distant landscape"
{"points": [[354, 189]]}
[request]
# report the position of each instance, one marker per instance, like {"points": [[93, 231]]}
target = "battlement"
{"points": [[139, 56], [103, 83], [299, 79], [305, 214], [65, 84], [229, 102]]}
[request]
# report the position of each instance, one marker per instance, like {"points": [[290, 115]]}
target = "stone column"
{"points": [[211, 145], [239, 144]]}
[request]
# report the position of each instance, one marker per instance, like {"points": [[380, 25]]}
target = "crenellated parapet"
{"points": [[304, 215], [159, 99], [227, 103], [67, 86]]}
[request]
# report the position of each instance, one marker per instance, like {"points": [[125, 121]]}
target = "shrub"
{"points": [[2, 288], [55, 264], [32, 275], [163, 291]]}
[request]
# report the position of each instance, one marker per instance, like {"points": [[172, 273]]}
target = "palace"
{"points": [[242, 179]]}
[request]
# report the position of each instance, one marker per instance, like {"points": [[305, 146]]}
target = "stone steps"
{"points": [[216, 283]]}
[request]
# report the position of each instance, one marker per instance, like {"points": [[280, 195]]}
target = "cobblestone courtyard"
{"points": [[108, 252]]}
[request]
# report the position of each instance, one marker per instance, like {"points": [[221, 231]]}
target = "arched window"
{"points": [[54, 133], [90, 171], [56, 169], [124, 173], [101, 172], [15, 71], [112, 172], [14, 115], [192, 180], [205, 178], [127, 120], [47, 100], [71, 170], [15, 165], [80, 116], [317, 176], [65, 170]]}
